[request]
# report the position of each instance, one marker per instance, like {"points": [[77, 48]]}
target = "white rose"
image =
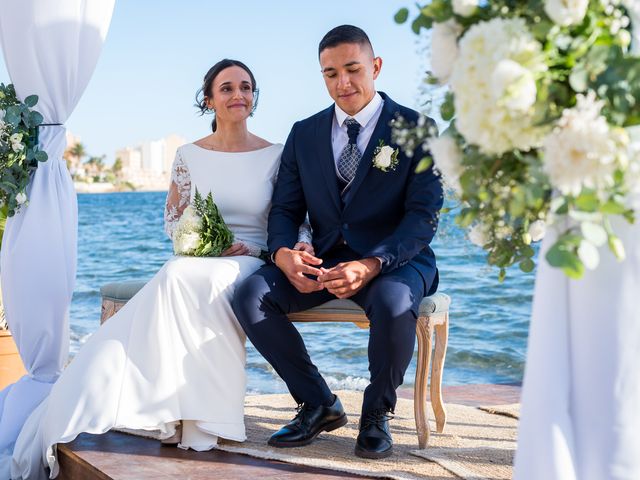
{"points": [[537, 230], [383, 158], [21, 198], [447, 158], [444, 48], [17, 147], [189, 220], [566, 12], [478, 235], [15, 138], [513, 86], [464, 8]]}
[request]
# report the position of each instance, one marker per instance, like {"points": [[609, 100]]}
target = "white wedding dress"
{"points": [[175, 351], [580, 416]]}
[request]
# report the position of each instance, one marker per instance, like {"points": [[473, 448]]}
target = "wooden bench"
{"points": [[433, 318]]}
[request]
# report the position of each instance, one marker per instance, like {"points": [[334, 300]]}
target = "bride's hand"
{"points": [[235, 249], [305, 247]]}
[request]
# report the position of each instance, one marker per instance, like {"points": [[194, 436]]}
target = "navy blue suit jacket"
{"points": [[392, 215]]}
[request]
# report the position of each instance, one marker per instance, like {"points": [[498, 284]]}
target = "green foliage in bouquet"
{"points": [[542, 93], [19, 153], [215, 236]]}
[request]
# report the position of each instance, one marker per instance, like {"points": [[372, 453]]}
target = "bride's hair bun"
{"points": [[205, 91]]}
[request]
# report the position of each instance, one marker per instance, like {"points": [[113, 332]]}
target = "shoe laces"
{"points": [[376, 417], [301, 413]]}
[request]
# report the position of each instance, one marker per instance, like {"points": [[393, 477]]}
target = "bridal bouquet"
{"points": [[540, 97], [19, 154], [201, 230]]}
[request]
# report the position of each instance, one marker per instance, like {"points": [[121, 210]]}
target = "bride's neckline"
{"points": [[223, 151]]}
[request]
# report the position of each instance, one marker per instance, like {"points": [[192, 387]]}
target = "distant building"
{"points": [[148, 166]]}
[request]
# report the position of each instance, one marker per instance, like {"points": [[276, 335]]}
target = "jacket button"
{"points": [[345, 226]]}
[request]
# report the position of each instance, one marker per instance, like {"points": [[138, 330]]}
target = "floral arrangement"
{"points": [[19, 154], [540, 97], [201, 230]]}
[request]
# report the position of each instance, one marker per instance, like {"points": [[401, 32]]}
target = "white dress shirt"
{"points": [[367, 118]]}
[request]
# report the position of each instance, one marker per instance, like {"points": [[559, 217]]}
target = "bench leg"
{"points": [[442, 337], [424, 331]]}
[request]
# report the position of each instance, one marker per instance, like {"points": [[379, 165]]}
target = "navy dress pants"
{"points": [[390, 301]]}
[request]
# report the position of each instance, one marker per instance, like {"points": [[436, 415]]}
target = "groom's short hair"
{"points": [[344, 34]]}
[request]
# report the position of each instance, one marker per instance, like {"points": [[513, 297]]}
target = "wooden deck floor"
{"points": [[118, 456]]}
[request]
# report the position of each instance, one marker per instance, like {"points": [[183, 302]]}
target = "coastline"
{"points": [[106, 187]]}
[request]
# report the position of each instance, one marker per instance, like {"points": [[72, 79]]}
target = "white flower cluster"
{"points": [[16, 142], [444, 48], [447, 158], [186, 236], [464, 8], [493, 80], [582, 150]]}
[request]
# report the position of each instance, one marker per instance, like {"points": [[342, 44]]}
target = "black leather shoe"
{"points": [[308, 424], [374, 439]]}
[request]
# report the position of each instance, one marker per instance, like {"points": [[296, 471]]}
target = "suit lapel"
{"points": [[324, 150], [382, 131]]}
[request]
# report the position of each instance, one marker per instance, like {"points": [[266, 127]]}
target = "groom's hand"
{"points": [[295, 264], [346, 279]]}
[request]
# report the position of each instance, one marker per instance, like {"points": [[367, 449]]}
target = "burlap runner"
{"points": [[476, 444]]}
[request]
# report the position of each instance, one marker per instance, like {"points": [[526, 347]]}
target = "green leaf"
{"points": [[41, 156], [447, 110], [31, 101], [502, 275], [424, 165], [588, 201], [527, 265], [613, 208], [35, 119], [421, 22], [560, 256], [401, 15]]}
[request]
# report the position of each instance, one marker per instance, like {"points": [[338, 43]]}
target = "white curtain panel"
{"points": [[51, 48]]}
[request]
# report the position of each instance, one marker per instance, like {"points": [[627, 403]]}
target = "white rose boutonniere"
{"points": [[385, 158]]}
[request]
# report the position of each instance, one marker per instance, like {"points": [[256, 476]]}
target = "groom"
{"points": [[371, 226]]}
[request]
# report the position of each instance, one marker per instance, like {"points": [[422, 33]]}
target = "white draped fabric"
{"points": [[580, 417], [51, 48]]}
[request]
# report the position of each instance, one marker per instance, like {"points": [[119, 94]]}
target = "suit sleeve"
{"points": [[423, 201], [288, 205]]}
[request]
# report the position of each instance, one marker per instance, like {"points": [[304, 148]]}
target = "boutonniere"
{"points": [[385, 158]]}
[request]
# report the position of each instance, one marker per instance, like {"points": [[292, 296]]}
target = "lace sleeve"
{"points": [[305, 233], [178, 196]]}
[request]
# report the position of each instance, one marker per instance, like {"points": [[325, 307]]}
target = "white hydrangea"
{"points": [[464, 8], [187, 234], [497, 125], [444, 48], [447, 158], [478, 235], [581, 151], [186, 243], [566, 12]]}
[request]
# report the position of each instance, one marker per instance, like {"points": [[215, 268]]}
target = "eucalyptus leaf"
{"points": [[401, 15], [31, 101]]}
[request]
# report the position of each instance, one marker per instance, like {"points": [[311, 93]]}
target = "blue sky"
{"points": [[157, 52]]}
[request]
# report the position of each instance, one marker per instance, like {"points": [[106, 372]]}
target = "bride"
{"points": [[175, 351]]}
